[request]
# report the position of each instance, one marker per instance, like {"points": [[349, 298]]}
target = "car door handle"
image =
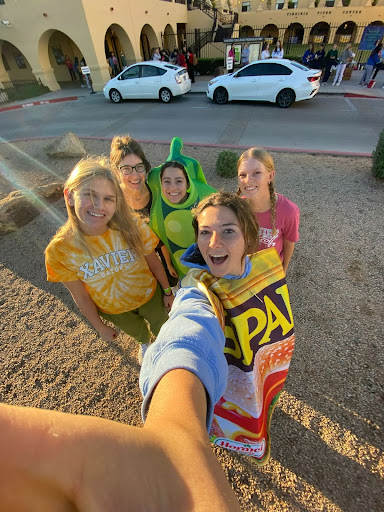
{"points": [[254, 80]]}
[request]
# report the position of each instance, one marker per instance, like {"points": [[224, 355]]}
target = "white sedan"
{"points": [[160, 80], [276, 80]]}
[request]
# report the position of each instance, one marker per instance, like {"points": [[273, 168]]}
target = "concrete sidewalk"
{"points": [[73, 92]]}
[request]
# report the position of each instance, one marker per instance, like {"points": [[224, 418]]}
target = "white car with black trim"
{"points": [[279, 81], [159, 80]]}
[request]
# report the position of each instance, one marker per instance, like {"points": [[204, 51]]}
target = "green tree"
{"points": [[378, 158]]}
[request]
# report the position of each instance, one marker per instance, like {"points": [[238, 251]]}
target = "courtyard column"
{"points": [[359, 34], [332, 34], [47, 78], [99, 75], [5, 81], [307, 31]]}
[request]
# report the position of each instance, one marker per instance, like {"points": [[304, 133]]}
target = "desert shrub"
{"points": [[378, 158], [226, 164]]}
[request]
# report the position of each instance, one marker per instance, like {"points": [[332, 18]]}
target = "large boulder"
{"points": [[22, 206], [66, 146]]}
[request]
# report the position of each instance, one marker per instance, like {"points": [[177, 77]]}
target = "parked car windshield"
{"points": [[132, 72], [264, 69], [147, 71]]}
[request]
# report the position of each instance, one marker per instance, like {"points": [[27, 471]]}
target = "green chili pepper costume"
{"points": [[172, 223]]}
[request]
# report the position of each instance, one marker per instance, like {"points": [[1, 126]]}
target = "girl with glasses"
{"points": [[132, 167]]}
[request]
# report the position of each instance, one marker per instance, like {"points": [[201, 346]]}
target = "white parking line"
{"points": [[352, 109]]}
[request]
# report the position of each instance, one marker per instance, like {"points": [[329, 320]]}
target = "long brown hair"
{"points": [[83, 174], [240, 208], [266, 159], [123, 145]]}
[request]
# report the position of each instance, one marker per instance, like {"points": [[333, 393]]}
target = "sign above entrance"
{"points": [[243, 39]]}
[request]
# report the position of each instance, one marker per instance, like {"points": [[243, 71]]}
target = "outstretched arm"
{"points": [[56, 461]]}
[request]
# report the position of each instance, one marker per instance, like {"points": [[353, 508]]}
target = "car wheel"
{"points": [[285, 98], [165, 95], [115, 96], [220, 96]]}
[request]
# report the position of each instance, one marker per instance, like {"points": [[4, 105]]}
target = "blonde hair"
{"points": [[266, 159], [240, 208], [83, 174]]}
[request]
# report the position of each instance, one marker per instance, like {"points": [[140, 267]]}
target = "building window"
{"points": [[279, 5], [245, 6], [329, 3], [2, 2], [19, 58]]}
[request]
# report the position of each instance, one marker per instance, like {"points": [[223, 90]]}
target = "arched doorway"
{"points": [[346, 33], [294, 34], [14, 67], [319, 33], [148, 41], [53, 48], [117, 41], [270, 33], [246, 31], [169, 39]]}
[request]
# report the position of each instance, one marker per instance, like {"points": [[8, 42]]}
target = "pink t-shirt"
{"points": [[286, 222]]}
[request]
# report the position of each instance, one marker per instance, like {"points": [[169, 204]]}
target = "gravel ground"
{"points": [[327, 430]]}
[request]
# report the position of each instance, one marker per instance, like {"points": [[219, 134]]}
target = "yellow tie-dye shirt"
{"points": [[117, 279]]}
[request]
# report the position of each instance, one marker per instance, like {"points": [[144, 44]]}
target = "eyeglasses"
{"points": [[128, 169]]}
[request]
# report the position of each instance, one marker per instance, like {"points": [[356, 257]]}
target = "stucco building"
{"points": [[35, 37]]}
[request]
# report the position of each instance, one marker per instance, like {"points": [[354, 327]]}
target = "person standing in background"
{"points": [[245, 55], [278, 52], [190, 66], [231, 55], [330, 60], [318, 60], [265, 53], [379, 65], [372, 61], [345, 58], [156, 54], [309, 55], [69, 65], [112, 61]]}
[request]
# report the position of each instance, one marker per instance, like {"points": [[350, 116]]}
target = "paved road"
{"points": [[326, 123]]}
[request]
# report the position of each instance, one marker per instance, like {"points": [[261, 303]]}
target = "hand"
{"points": [[172, 271], [168, 301], [108, 333]]}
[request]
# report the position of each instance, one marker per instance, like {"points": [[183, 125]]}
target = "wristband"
{"points": [[167, 292]]}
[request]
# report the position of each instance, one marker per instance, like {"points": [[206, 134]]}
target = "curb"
{"points": [[203, 145], [356, 95], [35, 103]]}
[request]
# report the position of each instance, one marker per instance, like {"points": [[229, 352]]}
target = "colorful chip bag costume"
{"points": [[256, 317]]}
